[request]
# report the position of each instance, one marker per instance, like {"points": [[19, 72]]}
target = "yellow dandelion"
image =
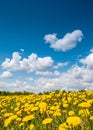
{"points": [[57, 113], [34, 109], [43, 107], [18, 119], [85, 105], [13, 117], [8, 114], [31, 127], [7, 122], [73, 121], [63, 126], [19, 113], [28, 118], [65, 105], [84, 112], [71, 113], [91, 118], [47, 121], [21, 124]]}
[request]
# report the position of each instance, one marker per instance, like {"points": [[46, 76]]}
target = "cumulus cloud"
{"points": [[31, 64], [75, 78], [44, 73], [60, 65], [16, 86], [88, 61], [68, 42], [6, 74], [48, 73]]}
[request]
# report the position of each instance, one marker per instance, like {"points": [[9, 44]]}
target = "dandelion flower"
{"points": [[28, 118], [63, 126], [71, 113], [85, 105], [73, 121], [31, 127], [7, 122], [91, 118], [47, 121]]}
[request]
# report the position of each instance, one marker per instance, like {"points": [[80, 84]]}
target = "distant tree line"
{"points": [[2, 93]]}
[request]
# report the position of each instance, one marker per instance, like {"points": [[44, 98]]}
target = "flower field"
{"points": [[48, 111]]}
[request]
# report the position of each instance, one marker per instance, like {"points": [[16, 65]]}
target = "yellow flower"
{"points": [[8, 114], [34, 109], [84, 112], [85, 105], [18, 119], [63, 126], [47, 121], [18, 104], [2, 110], [57, 113], [31, 127], [19, 113], [65, 105], [73, 121], [50, 112], [21, 124], [90, 101], [7, 122], [69, 99], [28, 118], [16, 109], [52, 108], [43, 107], [13, 117], [71, 113], [91, 118]]}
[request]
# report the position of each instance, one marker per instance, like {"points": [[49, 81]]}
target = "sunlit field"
{"points": [[57, 110]]}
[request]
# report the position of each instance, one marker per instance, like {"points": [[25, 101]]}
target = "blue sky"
{"points": [[46, 45]]}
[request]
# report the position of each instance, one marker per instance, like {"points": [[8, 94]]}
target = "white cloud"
{"points": [[57, 73], [48, 73], [29, 79], [45, 84], [88, 61], [31, 64], [22, 50], [52, 73], [75, 78], [60, 65], [44, 73], [91, 50], [12, 64], [16, 86], [68, 42], [6, 74]]}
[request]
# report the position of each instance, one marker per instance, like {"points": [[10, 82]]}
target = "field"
{"points": [[57, 110]]}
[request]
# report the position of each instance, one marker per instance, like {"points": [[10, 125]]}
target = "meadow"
{"points": [[56, 110]]}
